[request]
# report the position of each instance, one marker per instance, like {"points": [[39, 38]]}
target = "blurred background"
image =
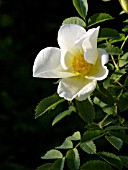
{"points": [[26, 27]]}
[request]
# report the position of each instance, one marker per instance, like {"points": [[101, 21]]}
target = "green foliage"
{"points": [[112, 159], [97, 18], [116, 142], [62, 115], [74, 20], [86, 110], [92, 135], [72, 159], [123, 60], [103, 114], [96, 165], [81, 7], [47, 104], [52, 154], [46, 166], [88, 147], [111, 49]]}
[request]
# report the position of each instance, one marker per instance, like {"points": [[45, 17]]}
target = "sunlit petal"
{"points": [[47, 64], [75, 87]]}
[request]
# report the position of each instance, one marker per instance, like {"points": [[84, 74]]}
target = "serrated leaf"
{"points": [[124, 160], [58, 164], [86, 110], [97, 18], [111, 159], [96, 165], [120, 135], [74, 20], [73, 160], [108, 33], [46, 166], [116, 142], [88, 147], [123, 60], [92, 135], [67, 144], [62, 115], [115, 128], [123, 102], [52, 154], [47, 104], [107, 109], [81, 7], [76, 136], [111, 49], [117, 75], [117, 39]]}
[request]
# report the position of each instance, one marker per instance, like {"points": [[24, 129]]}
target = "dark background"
{"points": [[27, 26]]}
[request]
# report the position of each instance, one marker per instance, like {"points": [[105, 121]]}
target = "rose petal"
{"points": [[47, 64], [90, 45], [68, 35], [99, 71], [76, 87]]}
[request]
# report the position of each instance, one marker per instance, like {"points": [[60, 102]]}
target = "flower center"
{"points": [[80, 66]]}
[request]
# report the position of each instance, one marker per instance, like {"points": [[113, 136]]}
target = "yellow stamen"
{"points": [[80, 66]]}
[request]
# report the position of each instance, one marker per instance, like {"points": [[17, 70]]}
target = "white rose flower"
{"points": [[78, 62]]}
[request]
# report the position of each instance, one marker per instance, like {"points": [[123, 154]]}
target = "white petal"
{"points": [[90, 45], [76, 87], [104, 56], [99, 71], [68, 35], [47, 64]]}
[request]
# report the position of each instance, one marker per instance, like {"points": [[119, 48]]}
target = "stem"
{"points": [[102, 121], [116, 66], [124, 42]]}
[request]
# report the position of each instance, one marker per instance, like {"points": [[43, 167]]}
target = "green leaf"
{"points": [[76, 136], [74, 20], [47, 104], [58, 164], [86, 110], [92, 135], [117, 39], [81, 7], [126, 81], [67, 144], [104, 96], [97, 18], [115, 128], [111, 159], [88, 147], [120, 135], [62, 115], [117, 75], [96, 165], [108, 33], [46, 166], [123, 102], [116, 142], [124, 160], [107, 109], [123, 60], [111, 49], [52, 154], [125, 29], [72, 159]]}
